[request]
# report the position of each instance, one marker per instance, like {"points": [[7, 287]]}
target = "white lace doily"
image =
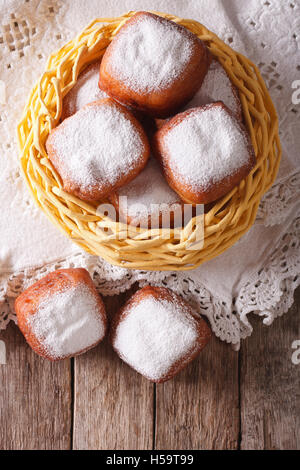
{"points": [[268, 292], [227, 289]]}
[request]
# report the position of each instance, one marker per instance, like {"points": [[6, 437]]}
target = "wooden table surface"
{"points": [[224, 400]]}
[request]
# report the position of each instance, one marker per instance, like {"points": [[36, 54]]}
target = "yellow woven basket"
{"points": [[118, 243]]}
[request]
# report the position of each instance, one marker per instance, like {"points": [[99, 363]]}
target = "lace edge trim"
{"points": [[269, 295]]}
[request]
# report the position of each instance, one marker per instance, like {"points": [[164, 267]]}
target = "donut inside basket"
{"points": [[181, 121]]}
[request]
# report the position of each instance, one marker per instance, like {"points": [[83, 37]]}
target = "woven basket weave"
{"points": [[123, 245]]}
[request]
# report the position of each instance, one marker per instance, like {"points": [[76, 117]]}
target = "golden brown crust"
{"points": [[96, 193], [238, 113], [162, 293], [167, 101], [161, 122], [28, 302], [214, 191], [198, 99]]}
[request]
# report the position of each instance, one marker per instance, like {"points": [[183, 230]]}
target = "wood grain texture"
{"points": [[113, 404], [35, 398], [199, 408], [270, 385]]}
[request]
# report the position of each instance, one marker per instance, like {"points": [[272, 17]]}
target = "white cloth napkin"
{"points": [[249, 276]]}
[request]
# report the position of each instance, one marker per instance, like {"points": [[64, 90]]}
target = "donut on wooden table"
{"points": [[98, 149], [153, 65], [157, 333], [62, 315]]}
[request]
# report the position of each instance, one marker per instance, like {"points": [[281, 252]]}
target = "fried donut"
{"points": [[62, 315], [204, 152], [84, 91], [148, 201], [217, 87], [154, 65], [98, 149], [157, 333]]}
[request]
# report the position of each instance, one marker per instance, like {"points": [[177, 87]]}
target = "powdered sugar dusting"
{"points": [[68, 322], [150, 54], [84, 91], [154, 335], [206, 147], [97, 145], [148, 195], [217, 87]]}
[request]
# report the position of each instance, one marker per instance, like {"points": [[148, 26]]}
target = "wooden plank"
{"points": [[35, 398], [113, 404], [270, 385], [199, 408]]}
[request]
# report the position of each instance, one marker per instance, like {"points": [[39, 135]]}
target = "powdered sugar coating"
{"points": [[154, 334], [150, 54], [68, 322], [217, 87], [84, 91], [97, 146], [206, 147], [148, 195]]}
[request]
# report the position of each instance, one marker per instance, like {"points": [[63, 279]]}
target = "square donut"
{"points": [[204, 152], [84, 91], [157, 333], [153, 64], [62, 315], [148, 201], [217, 86], [98, 149]]}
